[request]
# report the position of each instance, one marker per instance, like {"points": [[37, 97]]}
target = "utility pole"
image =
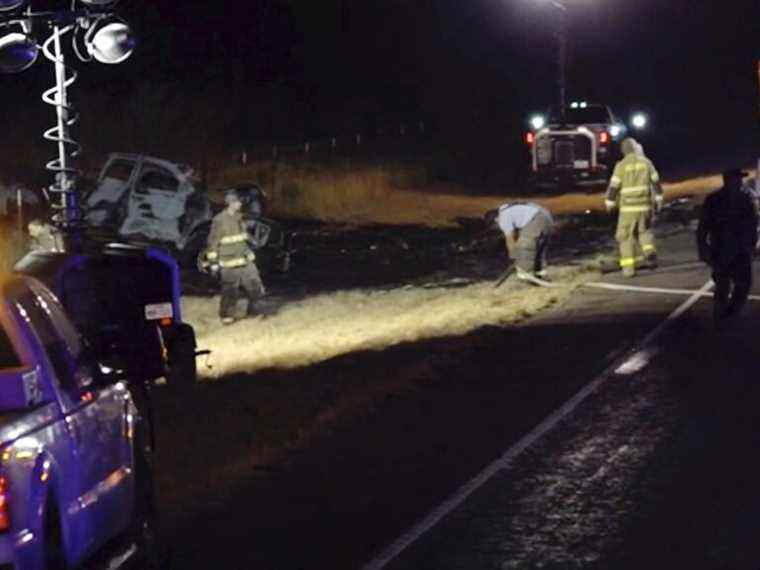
{"points": [[757, 63], [562, 57]]}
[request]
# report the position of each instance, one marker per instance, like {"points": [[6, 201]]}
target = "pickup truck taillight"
{"points": [[5, 519], [529, 138], [604, 137]]}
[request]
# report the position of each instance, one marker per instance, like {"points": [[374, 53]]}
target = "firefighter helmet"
{"points": [[231, 196], [628, 145]]}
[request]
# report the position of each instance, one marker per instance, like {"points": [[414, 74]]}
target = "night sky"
{"points": [[682, 58], [289, 69]]}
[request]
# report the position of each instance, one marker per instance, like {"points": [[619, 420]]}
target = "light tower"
{"points": [[96, 33]]}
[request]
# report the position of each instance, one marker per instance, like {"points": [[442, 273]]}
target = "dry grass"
{"points": [[324, 326], [342, 192], [400, 194]]}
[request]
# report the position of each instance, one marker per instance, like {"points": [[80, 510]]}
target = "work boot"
{"points": [[629, 272], [523, 275], [651, 261], [258, 308], [543, 275], [228, 320]]}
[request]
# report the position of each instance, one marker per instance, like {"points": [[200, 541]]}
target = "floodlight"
{"points": [[537, 122], [639, 120], [8, 5], [109, 40], [98, 3], [17, 52]]}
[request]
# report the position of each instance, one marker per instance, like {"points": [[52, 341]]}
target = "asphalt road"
{"points": [[654, 469]]}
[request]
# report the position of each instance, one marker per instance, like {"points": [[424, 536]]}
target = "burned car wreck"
{"points": [[151, 201]]}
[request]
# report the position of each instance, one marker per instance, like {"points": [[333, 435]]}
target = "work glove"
{"points": [[658, 202], [609, 205]]}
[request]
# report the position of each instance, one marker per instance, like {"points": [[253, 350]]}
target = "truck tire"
{"points": [[53, 538], [182, 369], [143, 529]]}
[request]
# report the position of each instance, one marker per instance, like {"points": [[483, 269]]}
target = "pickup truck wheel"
{"points": [[144, 526], [183, 371], [53, 539]]}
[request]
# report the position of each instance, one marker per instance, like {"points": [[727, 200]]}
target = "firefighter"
{"points": [[636, 191], [231, 256], [527, 228], [726, 238], [44, 237]]}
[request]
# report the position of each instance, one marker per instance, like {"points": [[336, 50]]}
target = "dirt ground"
{"points": [[321, 465]]}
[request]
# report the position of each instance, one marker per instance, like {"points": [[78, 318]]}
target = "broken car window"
{"points": [[157, 179]]}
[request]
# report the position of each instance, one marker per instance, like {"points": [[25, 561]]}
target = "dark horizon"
{"points": [[286, 70]]}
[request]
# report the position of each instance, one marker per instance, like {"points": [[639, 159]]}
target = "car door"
{"points": [[106, 205], [94, 419], [156, 203]]}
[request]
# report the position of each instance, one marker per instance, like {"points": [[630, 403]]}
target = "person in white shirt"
{"points": [[527, 228]]}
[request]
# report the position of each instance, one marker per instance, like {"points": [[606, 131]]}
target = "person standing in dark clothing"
{"points": [[726, 238]]}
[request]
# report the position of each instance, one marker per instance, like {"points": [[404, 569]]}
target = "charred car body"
{"points": [[577, 144], [147, 200]]}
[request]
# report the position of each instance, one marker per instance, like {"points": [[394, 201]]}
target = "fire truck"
{"points": [[577, 144]]}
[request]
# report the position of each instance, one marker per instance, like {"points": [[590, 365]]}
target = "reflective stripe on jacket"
{"points": [[228, 241], [634, 185]]}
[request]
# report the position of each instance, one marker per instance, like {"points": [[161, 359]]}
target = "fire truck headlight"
{"points": [[639, 120]]}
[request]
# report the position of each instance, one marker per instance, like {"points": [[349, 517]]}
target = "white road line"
{"points": [[643, 351], [682, 308], [661, 290]]}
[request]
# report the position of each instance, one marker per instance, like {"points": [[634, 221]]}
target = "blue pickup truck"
{"points": [[75, 476]]}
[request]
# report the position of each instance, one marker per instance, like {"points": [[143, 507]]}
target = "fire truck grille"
{"points": [[564, 153], [565, 150]]}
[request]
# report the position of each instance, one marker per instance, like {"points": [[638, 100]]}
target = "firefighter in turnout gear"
{"points": [[230, 254], [635, 191]]}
